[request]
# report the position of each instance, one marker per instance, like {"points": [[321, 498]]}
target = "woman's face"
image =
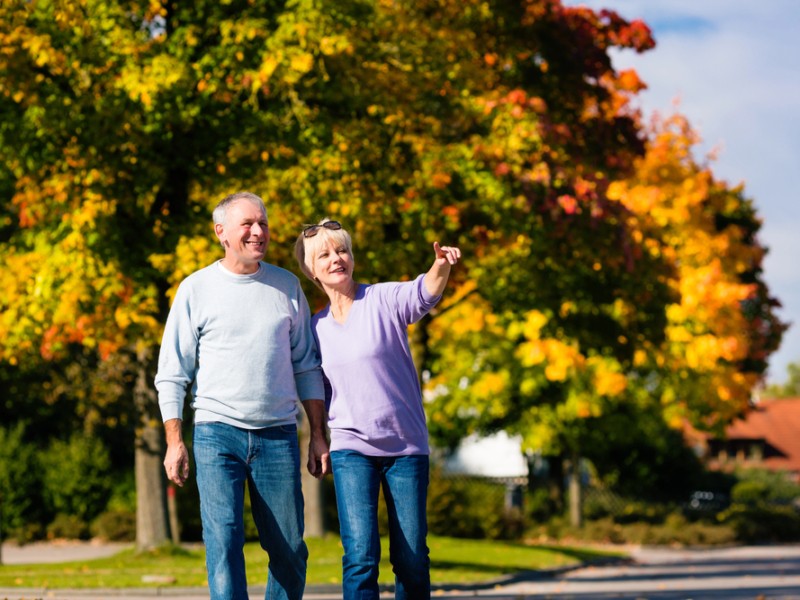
{"points": [[333, 264]]}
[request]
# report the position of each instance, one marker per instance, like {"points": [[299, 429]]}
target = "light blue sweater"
{"points": [[244, 345]]}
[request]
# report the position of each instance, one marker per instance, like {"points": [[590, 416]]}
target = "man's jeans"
{"points": [[269, 461], [405, 486]]}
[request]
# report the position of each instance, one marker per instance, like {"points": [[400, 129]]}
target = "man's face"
{"points": [[244, 235]]}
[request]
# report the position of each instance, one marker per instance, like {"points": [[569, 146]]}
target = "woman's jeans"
{"points": [[269, 461], [405, 486]]}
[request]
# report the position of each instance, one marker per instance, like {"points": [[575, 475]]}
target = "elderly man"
{"points": [[238, 335]]}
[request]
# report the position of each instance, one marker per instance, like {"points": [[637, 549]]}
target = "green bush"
{"points": [[69, 527], [76, 477], [750, 493], [760, 485], [675, 529], [470, 508], [117, 525], [763, 523], [123, 492], [20, 486]]}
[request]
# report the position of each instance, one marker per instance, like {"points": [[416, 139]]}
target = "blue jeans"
{"points": [[269, 461], [405, 486]]}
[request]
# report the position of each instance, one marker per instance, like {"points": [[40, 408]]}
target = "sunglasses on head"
{"points": [[312, 230]]}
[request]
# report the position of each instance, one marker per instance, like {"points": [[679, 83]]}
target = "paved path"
{"points": [[55, 552], [753, 572]]}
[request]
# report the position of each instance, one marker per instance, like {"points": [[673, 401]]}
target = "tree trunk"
{"points": [[312, 488], [152, 521], [575, 491]]}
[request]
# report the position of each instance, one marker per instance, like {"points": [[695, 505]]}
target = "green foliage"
{"points": [[750, 493], [756, 486], [470, 508], [76, 477], [673, 529], [762, 523], [638, 456], [790, 388], [117, 525], [20, 483], [123, 492], [70, 527]]}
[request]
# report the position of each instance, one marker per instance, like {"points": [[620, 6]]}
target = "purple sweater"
{"points": [[375, 403]]}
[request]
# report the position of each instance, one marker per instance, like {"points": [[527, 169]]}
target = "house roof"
{"points": [[777, 422]]}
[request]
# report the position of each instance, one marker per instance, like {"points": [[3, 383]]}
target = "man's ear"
{"points": [[219, 229]]}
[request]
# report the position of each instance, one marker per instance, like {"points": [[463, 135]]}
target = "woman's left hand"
{"points": [[446, 254]]}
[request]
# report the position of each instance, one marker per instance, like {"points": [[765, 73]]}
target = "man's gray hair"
{"points": [[222, 208]]}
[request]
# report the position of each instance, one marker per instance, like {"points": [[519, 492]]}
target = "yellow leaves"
{"points": [[490, 385], [534, 321], [607, 378], [562, 360], [469, 317], [66, 295], [301, 63], [531, 353], [191, 254], [331, 45], [145, 83]]}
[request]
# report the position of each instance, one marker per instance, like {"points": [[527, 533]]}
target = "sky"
{"points": [[733, 67]]}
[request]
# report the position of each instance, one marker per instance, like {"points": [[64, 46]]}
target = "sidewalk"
{"points": [[57, 551]]}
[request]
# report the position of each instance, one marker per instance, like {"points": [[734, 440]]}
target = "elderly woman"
{"points": [[375, 415]]}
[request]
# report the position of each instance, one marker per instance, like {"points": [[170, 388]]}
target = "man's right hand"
{"points": [[176, 462]]}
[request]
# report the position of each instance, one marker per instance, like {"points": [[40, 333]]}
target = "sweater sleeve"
{"points": [[177, 360], [305, 357], [411, 299]]}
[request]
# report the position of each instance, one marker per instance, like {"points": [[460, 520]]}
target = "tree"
{"points": [[683, 330], [790, 388], [124, 122], [498, 126]]}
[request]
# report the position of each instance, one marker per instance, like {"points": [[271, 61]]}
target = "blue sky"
{"points": [[733, 66]]}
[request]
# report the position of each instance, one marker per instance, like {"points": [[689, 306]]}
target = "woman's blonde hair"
{"points": [[305, 248]]}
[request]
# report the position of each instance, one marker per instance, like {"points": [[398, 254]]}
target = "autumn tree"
{"points": [[495, 125]]}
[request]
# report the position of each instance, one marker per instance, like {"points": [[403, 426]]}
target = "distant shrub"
{"points": [[76, 477], [763, 523], [69, 527], [750, 493], [675, 529], [20, 486], [117, 525], [470, 507], [123, 492], [760, 485]]}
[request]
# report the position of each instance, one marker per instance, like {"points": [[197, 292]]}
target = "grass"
{"points": [[453, 561]]}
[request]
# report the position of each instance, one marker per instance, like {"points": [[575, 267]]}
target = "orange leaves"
{"points": [[676, 208], [635, 35], [440, 180], [628, 81]]}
